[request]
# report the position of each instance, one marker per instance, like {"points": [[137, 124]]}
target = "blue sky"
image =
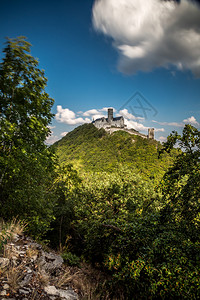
{"points": [[100, 54]]}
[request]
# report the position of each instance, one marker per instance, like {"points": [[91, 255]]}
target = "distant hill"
{"points": [[90, 149]]}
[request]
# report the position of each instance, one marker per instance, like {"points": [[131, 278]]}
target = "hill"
{"points": [[90, 149]]}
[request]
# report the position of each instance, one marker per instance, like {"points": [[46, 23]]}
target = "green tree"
{"points": [[26, 163], [66, 188], [181, 183]]}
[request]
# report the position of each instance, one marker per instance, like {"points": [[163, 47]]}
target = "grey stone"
{"points": [[68, 294], [6, 286], [14, 260], [23, 291], [65, 294], [26, 280], [33, 258], [50, 262], [36, 246], [4, 262], [28, 270], [51, 290], [111, 125]]}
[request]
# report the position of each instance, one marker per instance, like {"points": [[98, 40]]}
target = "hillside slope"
{"points": [[90, 149]]}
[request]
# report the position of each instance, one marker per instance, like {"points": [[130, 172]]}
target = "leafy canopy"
{"points": [[25, 113], [93, 150], [181, 183]]}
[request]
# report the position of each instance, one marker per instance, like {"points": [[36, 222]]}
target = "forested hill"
{"points": [[141, 230], [90, 149]]}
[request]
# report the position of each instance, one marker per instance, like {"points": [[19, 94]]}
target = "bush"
{"points": [[71, 259]]}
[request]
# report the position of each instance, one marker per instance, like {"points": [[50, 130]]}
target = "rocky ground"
{"points": [[29, 272]]}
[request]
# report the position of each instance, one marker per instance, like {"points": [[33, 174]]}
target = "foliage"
{"points": [[181, 187], [113, 210], [107, 203], [26, 163], [71, 259], [93, 150], [145, 239], [65, 188]]}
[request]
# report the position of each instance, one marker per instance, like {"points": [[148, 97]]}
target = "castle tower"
{"points": [[110, 115], [151, 133]]}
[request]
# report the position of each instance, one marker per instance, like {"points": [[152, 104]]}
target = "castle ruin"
{"points": [[111, 124]]}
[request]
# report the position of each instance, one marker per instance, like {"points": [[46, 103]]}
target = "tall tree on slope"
{"points": [[26, 163]]}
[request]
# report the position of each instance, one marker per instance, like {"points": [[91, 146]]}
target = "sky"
{"points": [[142, 58]]}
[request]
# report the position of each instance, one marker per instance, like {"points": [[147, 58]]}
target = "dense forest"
{"points": [[93, 150], [126, 205]]}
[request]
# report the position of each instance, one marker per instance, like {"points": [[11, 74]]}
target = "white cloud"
{"points": [[106, 109], [159, 129], [98, 116], [97, 112], [65, 115], [128, 115], [191, 120], [51, 139], [176, 124], [150, 34], [64, 133], [90, 112], [162, 139], [51, 127], [137, 126]]}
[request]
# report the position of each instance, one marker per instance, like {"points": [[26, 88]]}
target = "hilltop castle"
{"points": [[111, 124]]}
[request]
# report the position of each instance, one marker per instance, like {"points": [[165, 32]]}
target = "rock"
{"points": [[6, 286], [50, 262], [51, 290], [33, 258], [36, 246], [65, 294], [4, 262], [24, 292], [39, 268], [26, 280], [14, 260], [68, 294], [28, 270]]}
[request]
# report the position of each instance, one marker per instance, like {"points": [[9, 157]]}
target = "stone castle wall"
{"points": [[111, 125]]}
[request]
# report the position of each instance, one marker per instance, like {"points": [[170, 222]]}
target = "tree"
{"points": [[181, 183], [26, 163]]}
